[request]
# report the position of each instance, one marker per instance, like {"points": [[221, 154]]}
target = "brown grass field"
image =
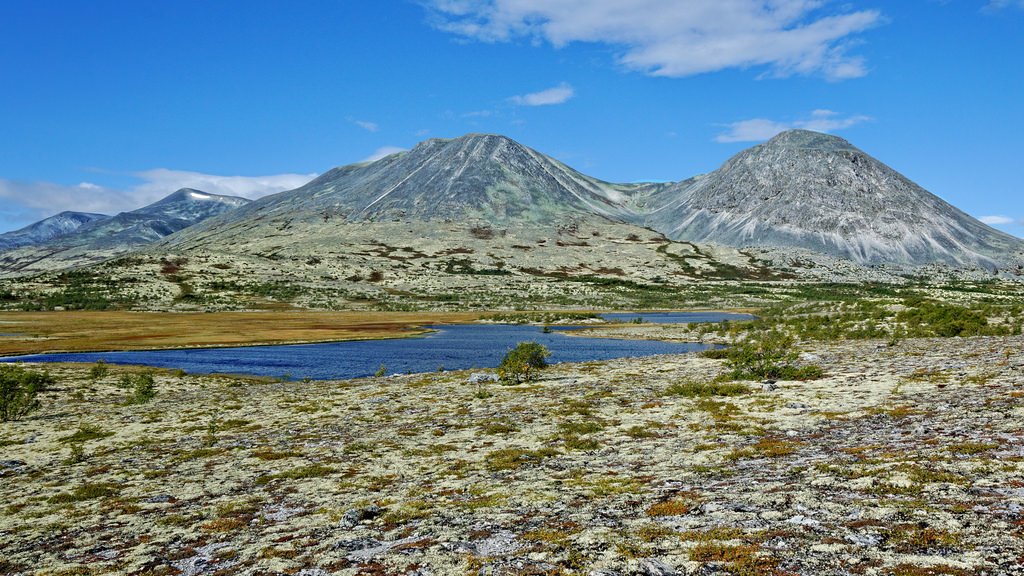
{"points": [[39, 332]]}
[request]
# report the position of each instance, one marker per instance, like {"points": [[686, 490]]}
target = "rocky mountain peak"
{"points": [[47, 229], [191, 195], [804, 189], [808, 140]]}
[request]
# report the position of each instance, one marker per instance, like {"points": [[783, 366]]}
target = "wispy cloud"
{"points": [[382, 152], [674, 38], [558, 95], [995, 5], [367, 125], [998, 220], [36, 200], [758, 129]]}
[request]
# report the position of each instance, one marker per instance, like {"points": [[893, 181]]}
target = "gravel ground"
{"points": [[903, 460]]}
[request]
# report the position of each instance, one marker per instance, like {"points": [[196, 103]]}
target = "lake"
{"points": [[452, 347]]}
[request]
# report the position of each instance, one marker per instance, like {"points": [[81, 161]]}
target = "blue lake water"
{"points": [[453, 347]]}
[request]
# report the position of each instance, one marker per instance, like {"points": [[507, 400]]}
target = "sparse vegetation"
{"points": [[771, 354], [652, 459], [19, 391], [695, 389]]}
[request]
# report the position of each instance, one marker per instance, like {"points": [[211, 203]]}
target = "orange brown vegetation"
{"points": [[39, 332]]}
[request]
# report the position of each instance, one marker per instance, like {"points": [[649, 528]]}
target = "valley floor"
{"points": [[903, 460]]}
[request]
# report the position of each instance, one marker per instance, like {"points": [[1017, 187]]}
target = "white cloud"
{"points": [[758, 129], [678, 37], [558, 95], [160, 182], [997, 220], [36, 200], [382, 152], [752, 130], [994, 5], [367, 125]]}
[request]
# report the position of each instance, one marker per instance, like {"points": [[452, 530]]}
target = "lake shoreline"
{"points": [[77, 332]]}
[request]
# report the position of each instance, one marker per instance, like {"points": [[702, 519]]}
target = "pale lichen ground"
{"points": [[902, 460]]}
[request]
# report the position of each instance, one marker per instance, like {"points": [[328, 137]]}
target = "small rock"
{"points": [[282, 513], [654, 567], [160, 499], [368, 549], [481, 377], [801, 520], [865, 540], [502, 543], [769, 386], [357, 515]]}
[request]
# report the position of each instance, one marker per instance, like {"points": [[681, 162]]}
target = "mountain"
{"points": [[801, 189], [177, 211], [804, 189], [102, 239], [800, 192], [47, 229], [488, 178]]}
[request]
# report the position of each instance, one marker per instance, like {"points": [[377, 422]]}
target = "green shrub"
{"points": [[86, 492], [143, 388], [98, 370], [695, 389], [520, 364], [19, 391], [770, 354], [85, 433]]}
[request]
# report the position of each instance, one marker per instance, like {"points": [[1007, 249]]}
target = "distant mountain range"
{"points": [[103, 237], [800, 189], [47, 229]]}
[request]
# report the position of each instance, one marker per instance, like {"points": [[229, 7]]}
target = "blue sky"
{"points": [[109, 105]]}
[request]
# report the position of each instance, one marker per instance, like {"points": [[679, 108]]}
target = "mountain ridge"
{"points": [[799, 190], [48, 228], [104, 238]]}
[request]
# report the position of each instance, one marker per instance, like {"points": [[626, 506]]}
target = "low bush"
{"points": [[99, 370], [695, 389], [768, 355], [141, 387], [522, 362], [19, 391]]}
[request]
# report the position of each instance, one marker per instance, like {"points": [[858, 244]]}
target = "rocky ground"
{"points": [[903, 460]]}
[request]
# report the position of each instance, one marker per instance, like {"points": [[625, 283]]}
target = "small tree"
{"points": [[19, 391], [142, 387], [771, 354], [99, 370], [522, 361]]}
